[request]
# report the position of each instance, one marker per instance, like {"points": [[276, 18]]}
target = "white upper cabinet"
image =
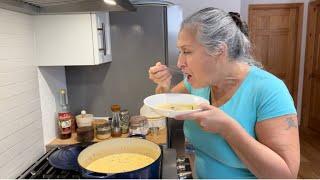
{"points": [[72, 39]]}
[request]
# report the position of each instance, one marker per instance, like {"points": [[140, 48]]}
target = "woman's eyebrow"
{"points": [[184, 46]]}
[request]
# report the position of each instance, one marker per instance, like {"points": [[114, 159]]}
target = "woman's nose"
{"points": [[181, 62]]}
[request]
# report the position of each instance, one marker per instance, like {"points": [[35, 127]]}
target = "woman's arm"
{"points": [[276, 153]]}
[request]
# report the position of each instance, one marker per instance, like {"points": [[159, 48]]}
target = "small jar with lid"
{"points": [[138, 125], [103, 131]]}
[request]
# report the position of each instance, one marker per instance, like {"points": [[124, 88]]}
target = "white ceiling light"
{"points": [[110, 2]]}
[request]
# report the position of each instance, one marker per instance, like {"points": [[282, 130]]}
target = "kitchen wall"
{"points": [[244, 15], [137, 42], [51, 80], [191, 6], [21, 135]]}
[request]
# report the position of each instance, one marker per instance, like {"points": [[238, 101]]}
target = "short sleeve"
{"points": [[274, 100]]}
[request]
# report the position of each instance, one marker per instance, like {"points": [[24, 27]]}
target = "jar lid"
{"points": [[97, 122], [125, 111], [137, 119], [115, 108]]}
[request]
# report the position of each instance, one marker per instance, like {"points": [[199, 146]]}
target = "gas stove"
{"points": [[172, 168]]}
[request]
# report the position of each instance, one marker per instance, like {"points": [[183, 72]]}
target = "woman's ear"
{"points": [[222, 51]]}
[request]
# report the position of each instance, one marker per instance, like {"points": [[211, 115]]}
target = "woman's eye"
{"points": [[184, 52]]}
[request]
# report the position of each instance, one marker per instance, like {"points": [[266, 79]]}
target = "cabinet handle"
{"points": [[103, 29]]}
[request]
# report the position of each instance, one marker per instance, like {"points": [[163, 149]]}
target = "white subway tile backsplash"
{"points": [[15, 101], [14, 65], [18, 124], [25, 53], [24, 160], [21, 134], [17, 88], [13, 139], [18, 76]]}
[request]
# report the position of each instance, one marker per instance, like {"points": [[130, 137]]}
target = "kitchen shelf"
{"points": [[160, 139]]}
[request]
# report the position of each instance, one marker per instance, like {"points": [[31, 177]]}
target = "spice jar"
{"points": [[124, 121], [96, 122], [103, 131], [139, 125]]}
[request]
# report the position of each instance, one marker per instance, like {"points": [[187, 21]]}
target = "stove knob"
{"points": [[181, 168], [185, 175]]}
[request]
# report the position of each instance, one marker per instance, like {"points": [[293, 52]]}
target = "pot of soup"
{"points": [[123, 158]]}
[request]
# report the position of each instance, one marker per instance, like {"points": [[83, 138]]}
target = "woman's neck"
{"points": [[230, 81]]}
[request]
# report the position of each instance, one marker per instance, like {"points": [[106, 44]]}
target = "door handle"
{"points": [[104, 44]]}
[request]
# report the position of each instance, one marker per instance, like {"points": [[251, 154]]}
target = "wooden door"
{"points": [[311, 91], [275, 31]]}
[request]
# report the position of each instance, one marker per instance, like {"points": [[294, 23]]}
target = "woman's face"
{"points": [[200, 67]]}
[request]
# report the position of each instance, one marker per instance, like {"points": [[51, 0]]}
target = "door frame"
{"points": [[310, 43], [299, 7]]}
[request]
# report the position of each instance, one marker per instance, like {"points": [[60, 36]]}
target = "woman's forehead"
{"points": [[186, 38]]}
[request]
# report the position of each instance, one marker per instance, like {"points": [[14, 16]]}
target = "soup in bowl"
{"points": [[173, 104]]}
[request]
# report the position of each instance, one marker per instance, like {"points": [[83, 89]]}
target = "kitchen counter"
{"points": [[160, 139]]}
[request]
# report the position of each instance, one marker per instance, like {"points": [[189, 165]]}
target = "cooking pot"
{"points": [[122, 145]]}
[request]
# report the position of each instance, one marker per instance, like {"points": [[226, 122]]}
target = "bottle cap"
{"points": [[115, 108]]}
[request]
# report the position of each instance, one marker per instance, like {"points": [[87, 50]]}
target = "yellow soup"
{"points": [[122, 162], [178, 107]]}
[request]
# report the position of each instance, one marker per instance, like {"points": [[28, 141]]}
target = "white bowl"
{"points": [[173, 98]]}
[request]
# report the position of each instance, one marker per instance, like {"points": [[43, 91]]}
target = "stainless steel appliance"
{"points": [[138, 40]]}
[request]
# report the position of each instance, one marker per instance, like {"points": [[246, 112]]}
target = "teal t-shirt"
{"points": [[260, 96]]}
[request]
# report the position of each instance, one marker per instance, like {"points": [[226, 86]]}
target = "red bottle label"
{"points": [[65, 122]]}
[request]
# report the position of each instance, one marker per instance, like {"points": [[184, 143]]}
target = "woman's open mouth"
{"points": [[188, 76]]}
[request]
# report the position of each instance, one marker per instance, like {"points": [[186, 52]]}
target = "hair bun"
{"points": [[241, 24]]}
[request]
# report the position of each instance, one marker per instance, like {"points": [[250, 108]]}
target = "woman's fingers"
{"points": [[205, 106], [191, 116], [197, 115]]}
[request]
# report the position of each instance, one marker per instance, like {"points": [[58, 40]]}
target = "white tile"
{"points": [[21, 133], [18, 76]]}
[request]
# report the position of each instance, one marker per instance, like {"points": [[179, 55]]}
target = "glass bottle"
{"points": [[65, 118], [124, 121], [115, 123]]}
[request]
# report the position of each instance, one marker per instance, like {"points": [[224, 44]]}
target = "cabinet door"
{"points": [[101, 37], [64, 40]]}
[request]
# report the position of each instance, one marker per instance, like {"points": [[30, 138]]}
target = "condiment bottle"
{"points": [[65, 118], [115, 123]]}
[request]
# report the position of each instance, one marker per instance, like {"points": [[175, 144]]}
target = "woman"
{"points": [[250, 130]]}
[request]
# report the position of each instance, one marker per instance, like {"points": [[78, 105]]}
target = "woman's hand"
{"points": [[160, 75], [210, 119]]}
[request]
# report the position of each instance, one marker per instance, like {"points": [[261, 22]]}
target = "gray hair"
{"points": [[214, 27]]}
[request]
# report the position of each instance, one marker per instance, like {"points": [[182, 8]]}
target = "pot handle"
{"points": [[94, 175], [137, 136]]}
